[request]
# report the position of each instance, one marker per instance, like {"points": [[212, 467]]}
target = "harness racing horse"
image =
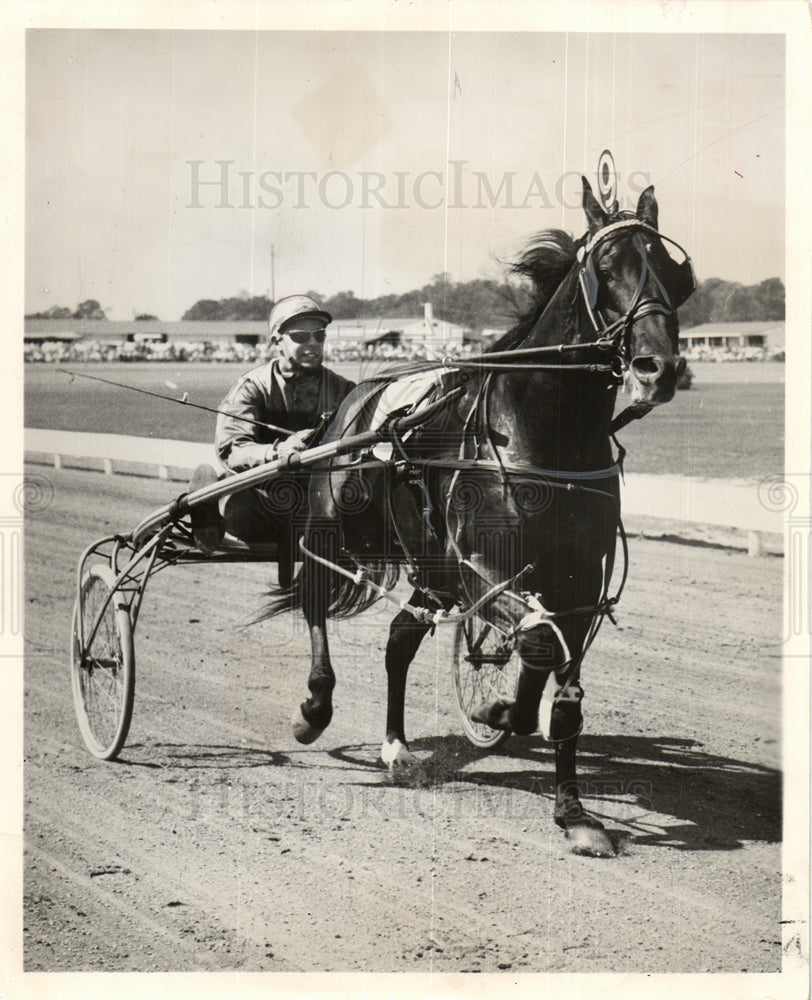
{"points": [[504, 500]]}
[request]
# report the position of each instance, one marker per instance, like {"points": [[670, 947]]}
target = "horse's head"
{"points": [[632, 280]]}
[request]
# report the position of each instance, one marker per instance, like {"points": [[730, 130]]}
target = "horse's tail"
{"points": [[281, 599], [342, 597], [347, 598]]}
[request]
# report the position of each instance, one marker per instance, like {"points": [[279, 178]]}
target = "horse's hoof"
{"points": [[302, 730], [590, 841], [494, 714], [403, 767]]}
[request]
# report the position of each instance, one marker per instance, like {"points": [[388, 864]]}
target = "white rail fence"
{"points": [[722, 503]]}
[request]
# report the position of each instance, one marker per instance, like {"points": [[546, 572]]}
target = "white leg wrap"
{"points": [[390, 751], [404, 768], [551, 695]]}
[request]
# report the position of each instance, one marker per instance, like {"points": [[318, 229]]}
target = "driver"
{"points": [[293, 397]]}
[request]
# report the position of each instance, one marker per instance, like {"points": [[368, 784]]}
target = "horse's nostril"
{"points": [[648, 368]]}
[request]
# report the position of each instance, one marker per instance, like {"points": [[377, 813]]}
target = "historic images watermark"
{"points": [[223, 184], [789, 494], [464, 797], [20, 497]]}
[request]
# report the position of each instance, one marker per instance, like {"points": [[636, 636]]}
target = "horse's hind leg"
{"points": [[313, 716], [540, 653], [405, 636]]}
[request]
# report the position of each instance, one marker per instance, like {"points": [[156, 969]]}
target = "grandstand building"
{"points": [[115, 332], [406, 332], [759, 339], [409, 332]]}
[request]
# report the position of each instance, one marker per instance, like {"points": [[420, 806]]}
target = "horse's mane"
{"points": [[545, 261]]}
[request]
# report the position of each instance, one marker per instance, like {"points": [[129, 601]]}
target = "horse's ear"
{"points": [[647, 207], [595, 215]]}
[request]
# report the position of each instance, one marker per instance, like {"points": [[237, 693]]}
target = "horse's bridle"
{"points": [[616, 335]]}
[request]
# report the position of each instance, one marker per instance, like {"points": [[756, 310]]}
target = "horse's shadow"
{"points": [[215, 756], [631, 781]]}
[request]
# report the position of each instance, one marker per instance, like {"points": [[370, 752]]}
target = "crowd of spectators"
{"points": [[702, 352], [93, 350]]}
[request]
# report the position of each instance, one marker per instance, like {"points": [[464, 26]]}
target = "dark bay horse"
{"points": [[505, 499]]}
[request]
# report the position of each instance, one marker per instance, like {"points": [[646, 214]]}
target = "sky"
{"points": [[163, 167]]}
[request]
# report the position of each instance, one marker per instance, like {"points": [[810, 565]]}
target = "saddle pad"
{"points": [[409, 391]]}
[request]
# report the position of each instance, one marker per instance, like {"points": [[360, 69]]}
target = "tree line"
{"points": [[475, 305], [471, 304], [717, 301], [89, 309], [485, 303]]}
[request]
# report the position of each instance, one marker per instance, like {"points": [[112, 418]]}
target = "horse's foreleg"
{"points": [[585, 833], [313, 716], [405, 636]]}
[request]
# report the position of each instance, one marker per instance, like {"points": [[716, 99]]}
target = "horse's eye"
{"points": [[605, 263], [608, 256]]}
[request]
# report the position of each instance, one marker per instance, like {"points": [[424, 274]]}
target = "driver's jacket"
{"points": [[295, 402]]}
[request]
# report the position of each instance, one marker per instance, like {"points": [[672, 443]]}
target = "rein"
{"points": [[494, 360], [184, 401], [526, 471]]}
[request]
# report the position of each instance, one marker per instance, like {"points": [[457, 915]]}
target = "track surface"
{"points": [[217, 842]]}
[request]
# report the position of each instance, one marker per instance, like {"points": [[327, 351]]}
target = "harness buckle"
{"points": [[605, 343], [619, 367]]}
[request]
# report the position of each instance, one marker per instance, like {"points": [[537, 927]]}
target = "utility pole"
{"points": [[273, 277]]}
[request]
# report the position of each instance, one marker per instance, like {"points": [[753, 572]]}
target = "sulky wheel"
{"points": [[486, 669], [103, 674]]}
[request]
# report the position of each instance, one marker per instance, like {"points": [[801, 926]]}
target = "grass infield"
{"points": [[727, 426]]}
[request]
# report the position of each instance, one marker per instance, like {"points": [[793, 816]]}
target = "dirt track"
{"points": [[217, 842]]}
